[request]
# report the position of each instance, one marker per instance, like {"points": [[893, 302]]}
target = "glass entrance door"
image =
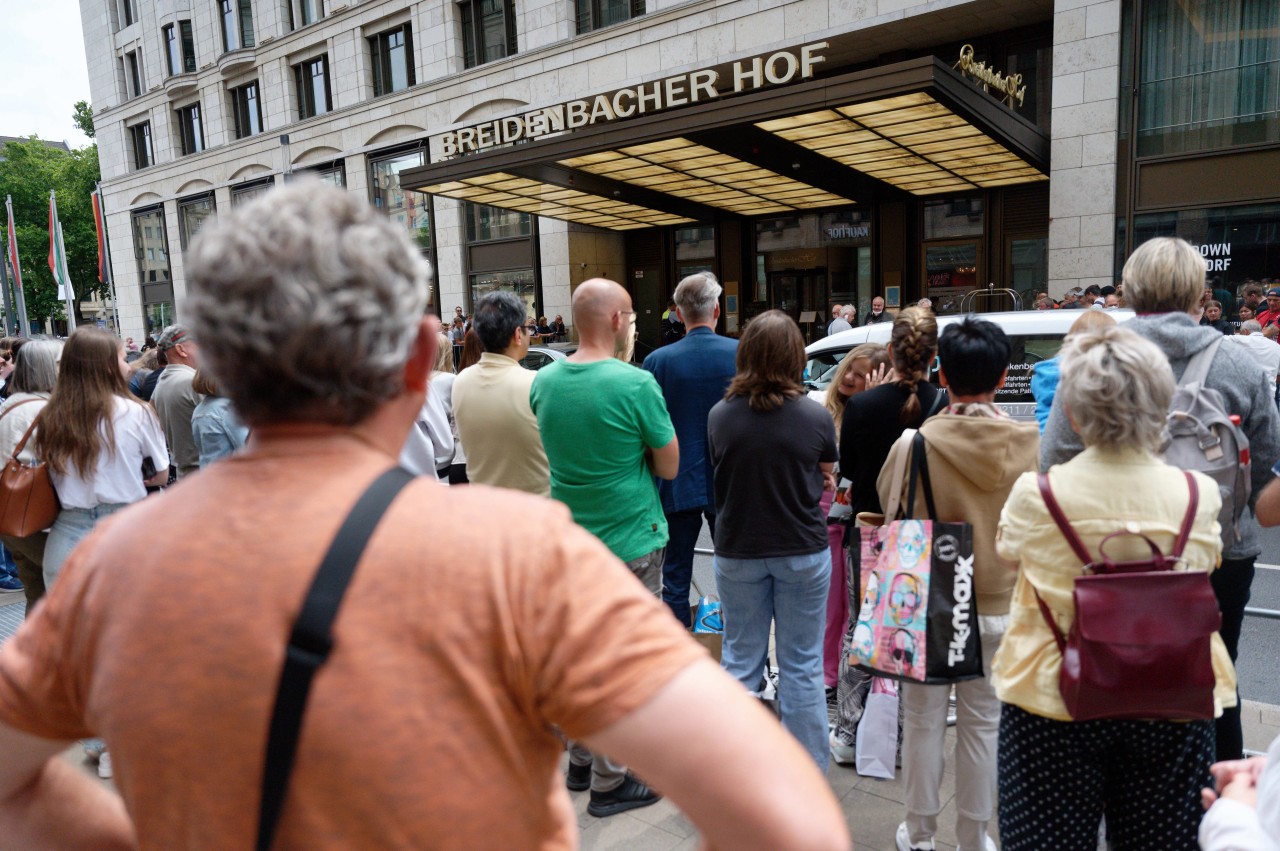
{"points": [[802, 295]]}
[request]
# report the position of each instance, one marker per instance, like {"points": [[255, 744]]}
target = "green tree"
{"points": [[83, 117], [28, 172]]}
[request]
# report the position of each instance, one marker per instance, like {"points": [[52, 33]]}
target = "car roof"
{"points": [[1014, 323]]}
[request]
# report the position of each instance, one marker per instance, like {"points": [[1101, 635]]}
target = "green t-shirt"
{"points": [[596, 420]]}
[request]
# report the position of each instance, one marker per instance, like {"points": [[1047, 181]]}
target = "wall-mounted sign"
{"points": [[774, 69], [1009, 85], [1217, 255]]}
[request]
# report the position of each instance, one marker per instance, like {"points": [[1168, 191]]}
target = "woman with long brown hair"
{"points": [[102, 446], [774, 450]]}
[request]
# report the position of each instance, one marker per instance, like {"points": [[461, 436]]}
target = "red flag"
{"points": [[102, 246], [13, 246]]}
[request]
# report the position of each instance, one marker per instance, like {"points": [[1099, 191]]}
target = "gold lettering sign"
{"points": [[1011, 85]]}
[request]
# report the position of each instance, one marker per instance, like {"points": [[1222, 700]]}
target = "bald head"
{"points": [[596, 302]]}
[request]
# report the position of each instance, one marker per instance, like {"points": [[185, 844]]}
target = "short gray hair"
{"points": [[36, 367], [1117, 387], [1164, 275], [1253, 326], [697, 297], [307, 303]]}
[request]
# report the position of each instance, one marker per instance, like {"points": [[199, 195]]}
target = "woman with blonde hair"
{"points": [[875, 419], [1058, 775], [854, 374], [102, 446], [773, 450]]}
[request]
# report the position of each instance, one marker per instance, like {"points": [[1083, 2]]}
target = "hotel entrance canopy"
{"points": [[912, 128]]}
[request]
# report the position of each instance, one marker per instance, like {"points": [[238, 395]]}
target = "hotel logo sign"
{"points": [[774, 69], [1009, 85]]}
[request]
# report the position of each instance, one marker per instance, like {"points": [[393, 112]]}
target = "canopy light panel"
{"points": [[910, 141]]}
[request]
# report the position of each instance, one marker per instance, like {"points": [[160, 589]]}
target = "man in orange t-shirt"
{"points": [[433, 723]]}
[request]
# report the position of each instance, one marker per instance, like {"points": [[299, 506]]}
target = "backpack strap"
{"points": [[1188, 519], [1064, 525], [1198, 367]]}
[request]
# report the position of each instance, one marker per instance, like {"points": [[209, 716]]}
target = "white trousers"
{"points": [[924, 745]]}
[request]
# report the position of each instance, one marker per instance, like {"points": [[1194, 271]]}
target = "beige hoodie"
{"points": [[973, 463]]}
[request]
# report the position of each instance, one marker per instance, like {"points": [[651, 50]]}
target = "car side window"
{"points": [[535, 360]]}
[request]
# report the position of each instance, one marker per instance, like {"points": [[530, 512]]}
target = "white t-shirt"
{"points": [[1267, 352], [117, 478]]}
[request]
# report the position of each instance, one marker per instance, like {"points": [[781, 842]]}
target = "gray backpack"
{"points": [[1202, 436]]}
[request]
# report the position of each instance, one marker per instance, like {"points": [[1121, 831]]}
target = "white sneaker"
{"points": [[840, 752], [903, 841], [104, 765]]}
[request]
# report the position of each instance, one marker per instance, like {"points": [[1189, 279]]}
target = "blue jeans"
{"points": [[790, 591], [677, 571], [72, 526]]}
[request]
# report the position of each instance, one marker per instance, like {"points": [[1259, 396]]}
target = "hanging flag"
{"points": [[103, 274], [13, 245], [58, 262]]}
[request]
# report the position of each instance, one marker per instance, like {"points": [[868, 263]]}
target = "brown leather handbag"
{"points": [[28, 502], [1139, 645]]}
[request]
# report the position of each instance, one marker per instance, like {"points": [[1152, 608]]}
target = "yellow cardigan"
{"points": [[1100, 491]]}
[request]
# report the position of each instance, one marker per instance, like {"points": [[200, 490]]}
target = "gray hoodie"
{"points": [[1234, 373]]}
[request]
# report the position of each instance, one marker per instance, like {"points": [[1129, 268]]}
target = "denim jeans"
{"points": [[677, 573], [72, 526], [791, 592]]}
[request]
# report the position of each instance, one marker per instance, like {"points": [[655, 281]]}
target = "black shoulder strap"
{"points": [[939, 401], [920, 469], [311, 641]]}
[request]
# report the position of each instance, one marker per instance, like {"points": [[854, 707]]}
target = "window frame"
{"points": [[129, 16], [473, 47], [169, 34], [141, 132], [179, 47], [190, 129], [307, 107], [161, 233], [133, 74], [380, 61], [315, 6], [235, 94], [190, 202], [227, 15]]}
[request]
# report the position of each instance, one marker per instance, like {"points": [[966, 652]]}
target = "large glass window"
{"points": [[391, 54], [1240, 245], [522, 282], [190, 129], [312, 80], [126, 12], [488, 31], [310, 11], [485, 223], [1209, 74], [245, 193], [150, 247], [594, 14], [140, 141], [134, 68], [245, 10], [192, 214], [334, 173], [246, 107], [188, 47], [410, 209], [180, 48], [237, 23]]}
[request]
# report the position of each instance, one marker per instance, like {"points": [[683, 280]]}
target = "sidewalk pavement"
{"points": [[872, 807]]}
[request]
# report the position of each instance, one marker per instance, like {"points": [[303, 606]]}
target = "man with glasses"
{"points": [[607, 433], [491, 402]]}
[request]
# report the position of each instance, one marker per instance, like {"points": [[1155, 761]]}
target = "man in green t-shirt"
{"points": [[607, 433]]}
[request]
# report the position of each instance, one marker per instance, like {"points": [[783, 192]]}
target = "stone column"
{"points": [[1082, 189]]}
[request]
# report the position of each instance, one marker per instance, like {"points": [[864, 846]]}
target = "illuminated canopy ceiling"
{"points": [[916, 127]]}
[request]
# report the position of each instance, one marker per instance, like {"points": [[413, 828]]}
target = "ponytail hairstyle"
{"points": [[912, 347]]}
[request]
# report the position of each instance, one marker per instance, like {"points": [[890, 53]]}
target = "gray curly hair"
{"points": [[1117, 387], [306, 303]]}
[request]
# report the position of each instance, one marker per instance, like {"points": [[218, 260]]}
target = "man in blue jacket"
{"points": [[693, 374]]}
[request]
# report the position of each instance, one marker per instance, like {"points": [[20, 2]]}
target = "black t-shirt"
{"points": [[768, 484], [867, 433]]}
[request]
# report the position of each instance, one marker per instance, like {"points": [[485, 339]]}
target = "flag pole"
{"points": [[8, 307], [12, 252], [58, 262], [106, 261]]}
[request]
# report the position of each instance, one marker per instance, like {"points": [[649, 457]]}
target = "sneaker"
{"points": [[903, 841], [631, 795], [94, 748], [104, 765], [841, 753], [9, 582], [579, 777]]}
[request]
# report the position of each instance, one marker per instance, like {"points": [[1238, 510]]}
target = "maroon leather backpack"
{"points": [[1139, 645]]}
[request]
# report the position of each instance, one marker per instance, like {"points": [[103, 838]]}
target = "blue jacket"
{"points": [[1044, 386], [693, 373]]}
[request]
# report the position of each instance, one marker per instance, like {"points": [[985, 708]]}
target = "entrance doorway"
{"points": [[802, 295]]}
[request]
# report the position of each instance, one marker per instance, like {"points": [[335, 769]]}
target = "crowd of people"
{"points": [[558, 619]]}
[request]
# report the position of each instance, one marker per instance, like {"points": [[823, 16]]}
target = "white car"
{"points": [[1036, 335]]}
